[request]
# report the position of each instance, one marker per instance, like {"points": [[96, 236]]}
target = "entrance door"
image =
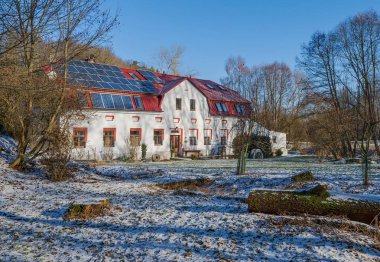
{"points": [[174, 144]]}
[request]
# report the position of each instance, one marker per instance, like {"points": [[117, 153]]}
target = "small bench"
{"points": [[192, 152]]}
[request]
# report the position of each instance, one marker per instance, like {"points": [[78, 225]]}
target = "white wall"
{"points": [[123, 121], [278, 142], [187, 91]]}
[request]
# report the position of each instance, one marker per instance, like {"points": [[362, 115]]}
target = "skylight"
{"points": [[134, 76], [209, 86]]}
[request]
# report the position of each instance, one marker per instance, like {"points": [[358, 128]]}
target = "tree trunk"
{"points": [[365, 168], [242, 162], [17, 162]]}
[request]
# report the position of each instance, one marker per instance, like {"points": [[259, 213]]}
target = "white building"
{"points": [[171, 115]]}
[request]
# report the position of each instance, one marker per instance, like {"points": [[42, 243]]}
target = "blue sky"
{"points": [[213, 30]]}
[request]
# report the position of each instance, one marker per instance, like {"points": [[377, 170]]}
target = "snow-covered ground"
{"points": [[154, 224]]}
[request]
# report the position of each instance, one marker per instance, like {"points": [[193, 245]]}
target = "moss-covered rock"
{"points": [[86, 211], [306, 176], [313, 202]]}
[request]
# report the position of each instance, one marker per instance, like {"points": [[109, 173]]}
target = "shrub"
{"points": [[278, 152], [194, 157], [86, 211], [143, 151], [263, 143]]}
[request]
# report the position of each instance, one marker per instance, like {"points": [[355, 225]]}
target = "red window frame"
{"points": [[162, 136], [114, 136], [140, 136], [83, 129]]}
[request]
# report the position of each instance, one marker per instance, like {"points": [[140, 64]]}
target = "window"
{"points": [[193, 140], [135, 136], [221, 107], [80, 137], [218, 107], [134, 76], [193, 137], [223, 136], [192, 104], [178, 103], [239, 108], [109, 137], [274, 139], [209, 86], [158, 136], [207, 137], [138, 102]]}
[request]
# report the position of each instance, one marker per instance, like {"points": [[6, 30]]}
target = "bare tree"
{"points": [[169, 60], [32, 103], [343, 66]]}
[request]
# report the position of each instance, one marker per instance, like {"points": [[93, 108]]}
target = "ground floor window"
{"points": [[79, 137], [223, 136], [109, 137], [193, 137], [158, 136], [207, 137], [135, 136]]}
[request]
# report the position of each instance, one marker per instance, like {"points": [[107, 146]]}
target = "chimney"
{"points": [[91, 58]]}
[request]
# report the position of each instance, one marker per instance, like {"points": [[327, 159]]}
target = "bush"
{"points": [[86, 211], [278, 152], [263, 143], [194, 157], [255, 142]]}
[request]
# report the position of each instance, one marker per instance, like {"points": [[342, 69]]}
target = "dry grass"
{"points": [[87, 211], [329, 226]]}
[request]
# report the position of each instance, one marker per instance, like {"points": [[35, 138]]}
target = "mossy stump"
{"points": [[315, 201], [306, 176], [86, 211]]}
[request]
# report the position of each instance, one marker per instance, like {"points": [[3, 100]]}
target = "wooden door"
{"points": [[175, 144]]}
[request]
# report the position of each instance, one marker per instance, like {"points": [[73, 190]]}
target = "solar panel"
{"points": [[150, 76], [127, 102], [118, 102], [107, 77], [97, 101]]}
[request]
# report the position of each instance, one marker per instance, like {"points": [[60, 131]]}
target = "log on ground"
{"points": [[315, 201]]}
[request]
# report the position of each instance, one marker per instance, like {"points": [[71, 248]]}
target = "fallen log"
{"points": [[315, 201]]}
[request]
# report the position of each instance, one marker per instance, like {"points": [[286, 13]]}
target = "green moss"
{"points": [[314, 203], [306, 176], [190, 184]]}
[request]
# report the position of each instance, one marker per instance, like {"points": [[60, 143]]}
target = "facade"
{"points": [[171, 115]]}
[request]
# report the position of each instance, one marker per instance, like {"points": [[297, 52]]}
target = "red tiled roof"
{"points": [[217, 94]]}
